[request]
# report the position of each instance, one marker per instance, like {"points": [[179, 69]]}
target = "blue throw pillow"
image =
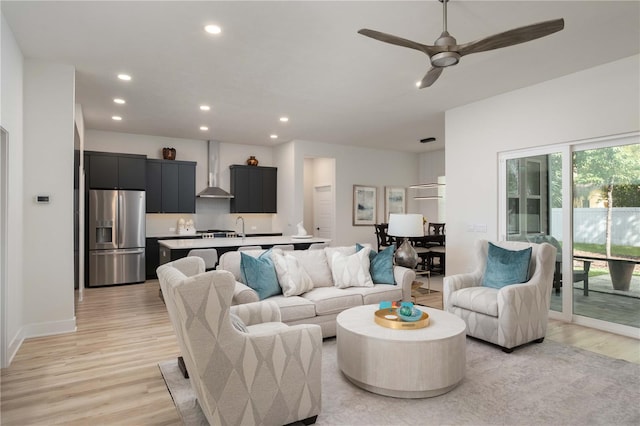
{"points": [[506, 267], [260, 274], [381, 265]]}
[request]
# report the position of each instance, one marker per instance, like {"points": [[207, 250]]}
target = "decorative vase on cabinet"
{"points": [[169, 153], [252, 161]]}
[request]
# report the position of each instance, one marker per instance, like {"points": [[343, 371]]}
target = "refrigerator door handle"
{"points": [[119, 251], [119, 217]]}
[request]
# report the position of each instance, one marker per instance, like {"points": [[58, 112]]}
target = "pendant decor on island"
{"points": [[169, 153], [252, 161]]}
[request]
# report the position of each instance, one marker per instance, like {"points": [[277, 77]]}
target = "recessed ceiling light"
{"points": [[213, 29], [418, 83], [204, 128], [205, 107], [284, 119], [119, 101], [116, 118], [125, 77], [274, 136]]}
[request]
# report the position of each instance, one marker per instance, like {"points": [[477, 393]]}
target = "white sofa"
{"points": [[322, 304]]}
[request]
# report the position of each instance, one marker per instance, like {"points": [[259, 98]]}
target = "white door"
{"points": [[323, 212]]}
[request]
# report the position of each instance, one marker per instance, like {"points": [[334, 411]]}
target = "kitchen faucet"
{"points": [[241, 219]]}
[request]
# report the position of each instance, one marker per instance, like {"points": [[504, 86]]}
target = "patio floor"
{"points": [[605, 303]]}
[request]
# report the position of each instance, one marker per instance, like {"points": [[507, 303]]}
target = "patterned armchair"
{"points": [[268, 373], [509, 316]]}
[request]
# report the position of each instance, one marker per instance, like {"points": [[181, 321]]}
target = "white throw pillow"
{"points": [[293, 278], [317, 266], [351, 271], [345, 250]]}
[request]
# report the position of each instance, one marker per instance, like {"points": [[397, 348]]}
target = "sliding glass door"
{"points": [[534, 206], [606, 234], [584, 199]]}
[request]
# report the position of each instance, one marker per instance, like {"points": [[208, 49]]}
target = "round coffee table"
{"points": [[417, 363]]}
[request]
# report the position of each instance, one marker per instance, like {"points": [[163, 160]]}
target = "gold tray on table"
{"points": [[385, 318]]}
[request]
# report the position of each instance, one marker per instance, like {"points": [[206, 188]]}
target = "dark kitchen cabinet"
{"points": [[151, 257], [254, 189], [152, 252], [171, 186], [115, 171]]}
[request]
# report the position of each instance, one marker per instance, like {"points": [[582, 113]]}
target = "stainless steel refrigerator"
{"points": [[116, 237]]}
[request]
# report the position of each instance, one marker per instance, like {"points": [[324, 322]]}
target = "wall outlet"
{"points": [[253, 228], [172, 229]]}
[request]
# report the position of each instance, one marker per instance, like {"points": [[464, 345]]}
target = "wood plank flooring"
{"points": [[107, 374]]}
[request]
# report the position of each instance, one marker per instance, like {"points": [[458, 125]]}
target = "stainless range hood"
{"points": [[213, 190]]}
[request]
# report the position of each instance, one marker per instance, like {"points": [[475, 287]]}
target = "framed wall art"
{"points": [[365, 202], [395, 201]]}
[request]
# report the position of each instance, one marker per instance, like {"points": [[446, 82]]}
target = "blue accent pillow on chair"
{"points": [[260, 274], [506, 267], [381, 265]]}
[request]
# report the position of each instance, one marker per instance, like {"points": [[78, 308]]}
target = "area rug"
{"points": [[538, 384]]}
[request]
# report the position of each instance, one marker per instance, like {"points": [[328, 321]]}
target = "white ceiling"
{"points": [[304, 60]]}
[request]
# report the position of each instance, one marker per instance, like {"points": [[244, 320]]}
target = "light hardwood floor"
{"points": [[107, 372]]}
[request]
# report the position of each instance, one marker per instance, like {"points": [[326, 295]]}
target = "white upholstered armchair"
{"points": [[260, 371], [509, 316]]}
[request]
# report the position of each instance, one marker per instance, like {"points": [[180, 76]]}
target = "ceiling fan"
{"points": [[447, 52]]}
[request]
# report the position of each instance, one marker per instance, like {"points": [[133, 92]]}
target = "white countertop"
{"points": [[236, 242]]}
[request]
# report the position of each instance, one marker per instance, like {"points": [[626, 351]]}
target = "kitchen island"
{"points": [[178, 248]]}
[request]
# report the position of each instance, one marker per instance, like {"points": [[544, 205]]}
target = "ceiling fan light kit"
{"points": [[447, 52]]}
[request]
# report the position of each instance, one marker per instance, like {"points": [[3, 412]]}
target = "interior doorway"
{"points": [[319, 197], [4, 189], [323, 212]]}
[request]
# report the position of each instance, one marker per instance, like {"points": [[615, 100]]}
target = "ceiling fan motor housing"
{"points": [[445, 59]]}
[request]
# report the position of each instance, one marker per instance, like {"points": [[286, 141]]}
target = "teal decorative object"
{"points": [[406, 311], [414, 314]]}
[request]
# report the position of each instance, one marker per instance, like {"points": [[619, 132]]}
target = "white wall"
{"points": [[353, 166], [11, 118], [48, 169], [600, 101]]}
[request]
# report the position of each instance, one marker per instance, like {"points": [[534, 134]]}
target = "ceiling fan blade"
{"points": [[512, 37], [431, 77], [399, 41]]}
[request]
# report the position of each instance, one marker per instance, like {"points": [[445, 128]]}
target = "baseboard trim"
{"points": [[13, 347], [49, 328]]}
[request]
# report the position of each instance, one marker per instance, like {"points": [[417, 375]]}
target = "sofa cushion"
{"points": [[260, 274], [315, 263], [293, 278], [351, 271], [477, 299], [505, 267], [294, 308], [331, 300], [378, 293], [381, 265]]}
